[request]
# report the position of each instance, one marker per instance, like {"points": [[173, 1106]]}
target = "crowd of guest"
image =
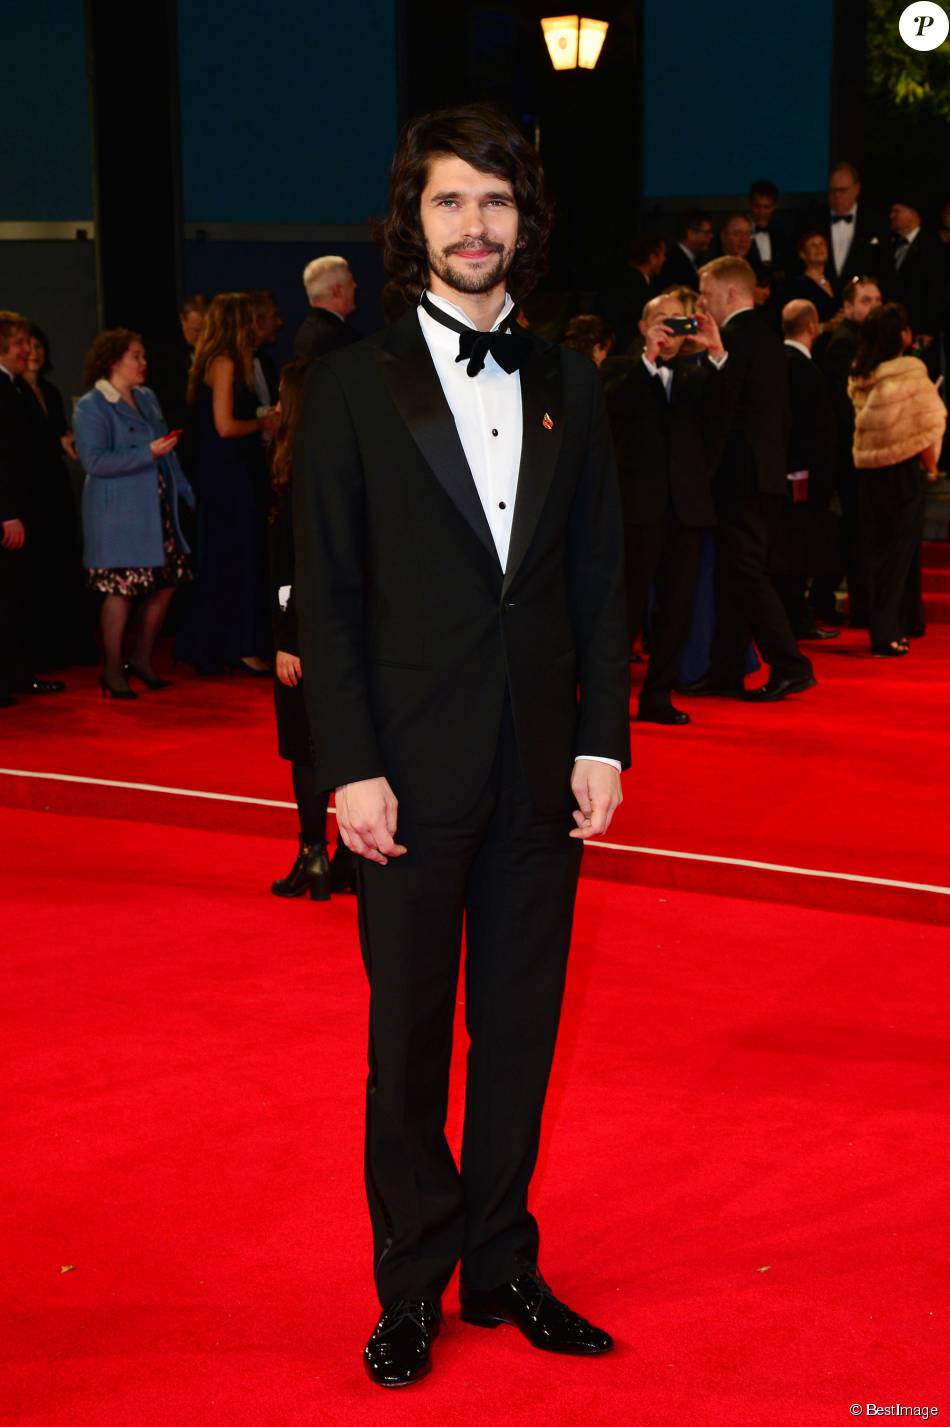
{"points": [[748, 364]]}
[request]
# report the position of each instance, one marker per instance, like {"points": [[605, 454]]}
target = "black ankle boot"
{"points": [[310, 873]]}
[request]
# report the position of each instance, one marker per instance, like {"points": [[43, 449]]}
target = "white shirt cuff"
{"points": [[592, 758], [719, 362]]}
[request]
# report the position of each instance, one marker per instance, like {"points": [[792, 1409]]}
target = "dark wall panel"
{"points": [[288, 114]]}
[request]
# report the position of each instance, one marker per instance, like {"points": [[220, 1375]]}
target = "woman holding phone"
{"points": [[133, 547]]}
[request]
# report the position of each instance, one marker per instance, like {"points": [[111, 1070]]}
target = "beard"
{"points": [[493, 271]]}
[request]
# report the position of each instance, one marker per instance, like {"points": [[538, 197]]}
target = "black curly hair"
{"points": [[492, 143]]}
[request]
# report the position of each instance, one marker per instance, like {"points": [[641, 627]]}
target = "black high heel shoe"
{"points": [[110, 692], [310, 873], [151, 681]]}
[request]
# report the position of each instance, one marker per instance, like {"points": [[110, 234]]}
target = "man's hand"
{"points": [[708, 335], [366, 817], [596, 786], [653, 339], [287, 668], [14, 535]]}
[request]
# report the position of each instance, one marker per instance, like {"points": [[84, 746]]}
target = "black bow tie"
{"points": [[509, 348], [899, 240], [842, 218], [663, 362]]}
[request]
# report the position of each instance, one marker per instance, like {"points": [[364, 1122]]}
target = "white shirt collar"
{"points": [[10, 374], [750, 307], [909, 237], [799, 347], [460, 316], [683, 249]]}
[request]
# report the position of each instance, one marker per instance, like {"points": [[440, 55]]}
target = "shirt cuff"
{"points": [[592, 758], [719, 362]]}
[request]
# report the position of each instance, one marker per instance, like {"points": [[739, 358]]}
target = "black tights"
{"points": [[311, 804]]}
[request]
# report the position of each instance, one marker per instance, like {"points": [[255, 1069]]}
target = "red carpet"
{"points": [[744, 1173]]}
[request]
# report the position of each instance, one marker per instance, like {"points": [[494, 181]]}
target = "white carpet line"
{"points": [[607, 846]]}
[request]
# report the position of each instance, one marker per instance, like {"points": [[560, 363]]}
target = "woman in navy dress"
{"points": [[227, 624], [813, 284]]}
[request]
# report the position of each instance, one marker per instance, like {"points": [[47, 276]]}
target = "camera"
{"points": [[681, 326]]}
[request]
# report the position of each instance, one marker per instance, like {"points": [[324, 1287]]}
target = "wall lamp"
{"points": [[573, 42]]}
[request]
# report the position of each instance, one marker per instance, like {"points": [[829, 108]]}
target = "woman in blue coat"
{"points": [[133, 545]]}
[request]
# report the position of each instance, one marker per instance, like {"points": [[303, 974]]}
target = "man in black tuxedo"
{"points": [[169, 365], [857, 241], [749, 487], [331, 292], [662, 414], [24, 451], [860, 296], [769, 237], [463, 639], [735, 241], [810, 528], [622, 304], [917, 278], [683, 258]]}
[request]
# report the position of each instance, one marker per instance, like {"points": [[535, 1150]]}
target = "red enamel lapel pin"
{"points": [[547, 423]]}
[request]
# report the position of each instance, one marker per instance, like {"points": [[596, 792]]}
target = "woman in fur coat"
{"points": [[899, 425]]}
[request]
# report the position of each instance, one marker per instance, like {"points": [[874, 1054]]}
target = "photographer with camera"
{"points": [[663, 419]]}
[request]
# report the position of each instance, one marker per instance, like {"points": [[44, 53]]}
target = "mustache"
{"points": [[470, 247]]}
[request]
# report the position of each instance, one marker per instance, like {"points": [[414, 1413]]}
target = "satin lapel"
{"points": [[414, 386], [542, 419]]}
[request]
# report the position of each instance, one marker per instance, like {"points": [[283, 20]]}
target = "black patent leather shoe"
{"points": [[399, 1351], [776, 689], [710, 687], [528, 1304], [665, 713], [816, 632], [310, 873]]}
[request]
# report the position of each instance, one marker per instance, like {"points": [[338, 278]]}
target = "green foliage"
{"points": [[902, 78]]}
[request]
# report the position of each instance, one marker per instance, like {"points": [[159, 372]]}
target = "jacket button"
{"points": [[508, 604]]}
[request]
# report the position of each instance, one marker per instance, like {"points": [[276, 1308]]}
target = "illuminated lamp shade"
{"points": [[574, 42]]}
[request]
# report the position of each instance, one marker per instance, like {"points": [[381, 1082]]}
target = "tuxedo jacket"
{"points": [[678, 271], [782, 252], [813, 437], [868, 254], [919, 283], [322, 332], [756, 387], [411, 636], [21, 445], [666, 448]]}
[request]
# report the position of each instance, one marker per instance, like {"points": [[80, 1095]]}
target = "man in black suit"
{"points": [[917, 278], [856, 237], [169, 364], [662, 415], [749, 487], [860, 296], [463, 641], [622, 304], [683, 258], [810, 528], [24, 443], [331, 292], [768, 235]]}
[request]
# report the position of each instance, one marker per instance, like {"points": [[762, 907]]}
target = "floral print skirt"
{"points": [[148, 579]]}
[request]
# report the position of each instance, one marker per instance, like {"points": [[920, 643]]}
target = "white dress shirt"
{"points": [[842, 236], [488, 418], [666, 373], [799, 347], [763, 241]]}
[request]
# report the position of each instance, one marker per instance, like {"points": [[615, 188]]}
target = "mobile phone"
{"points": [[177, 432], [680, 326]]}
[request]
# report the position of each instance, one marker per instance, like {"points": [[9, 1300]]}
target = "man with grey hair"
{"points": [[331, 291]]}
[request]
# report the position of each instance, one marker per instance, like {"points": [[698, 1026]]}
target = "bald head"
{"points": [[800, 322]]}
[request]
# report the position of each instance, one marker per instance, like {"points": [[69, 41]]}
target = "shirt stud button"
{"points": [[501, 505], [494, 431]]}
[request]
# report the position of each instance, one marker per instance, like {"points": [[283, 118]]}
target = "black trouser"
{"points": [[512, 875], [895, 498], [747, 602], [11, 620], [666, 555]]}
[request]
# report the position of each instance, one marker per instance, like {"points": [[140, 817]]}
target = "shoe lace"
{"points": [[537, 1293], [418, 1311]]}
